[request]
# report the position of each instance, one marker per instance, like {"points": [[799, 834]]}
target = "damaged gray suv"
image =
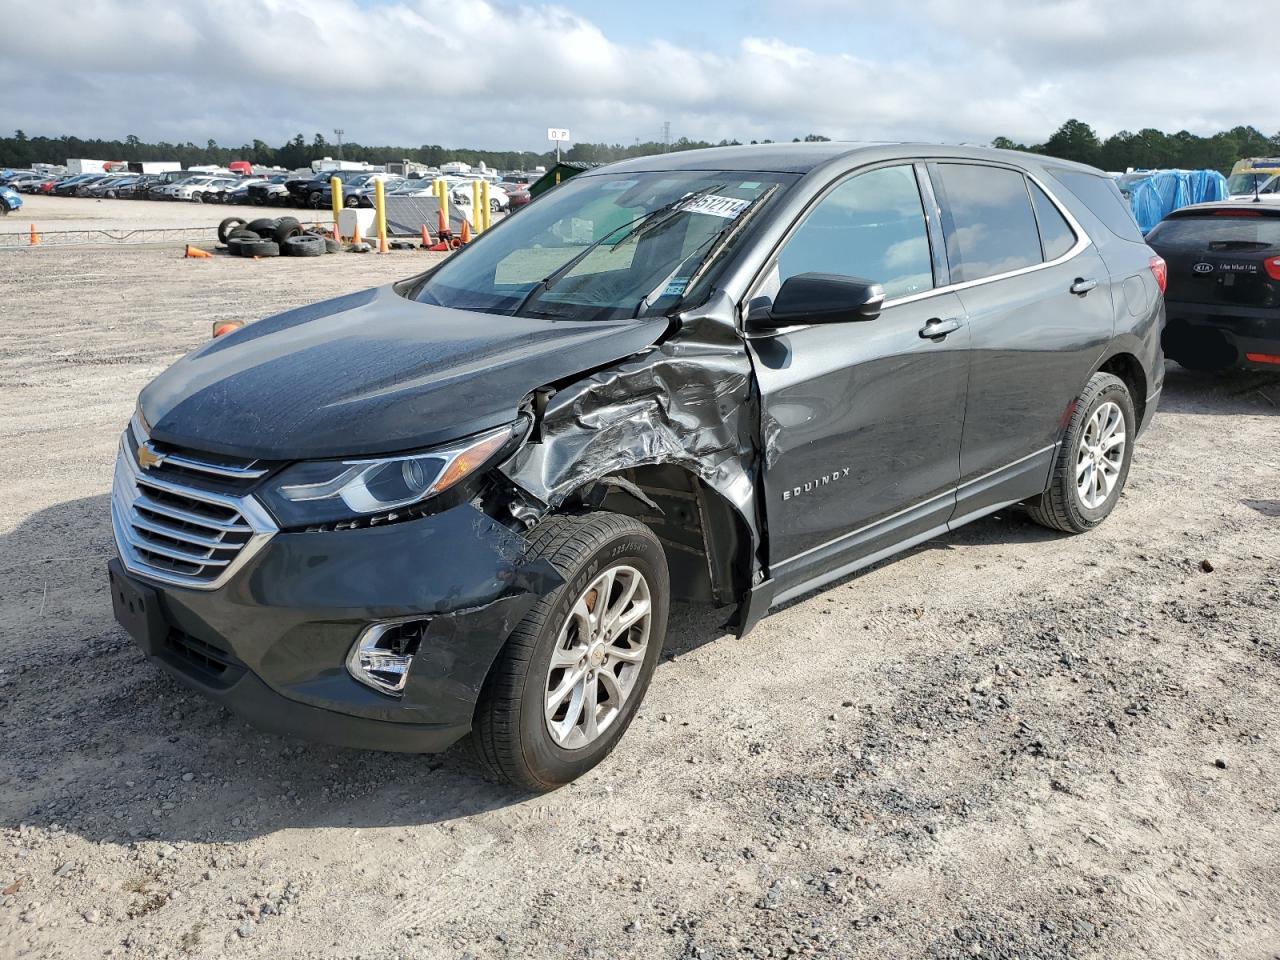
{"points": [[463, 503]]}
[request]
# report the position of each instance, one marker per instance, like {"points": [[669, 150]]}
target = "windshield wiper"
{"points": [[637, 227], [724, 235]]}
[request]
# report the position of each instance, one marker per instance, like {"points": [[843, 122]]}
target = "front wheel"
{"points": [[571, 676], [1092, 463]]}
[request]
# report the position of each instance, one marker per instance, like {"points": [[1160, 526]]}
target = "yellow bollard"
{"points": [[476, 222], [442, 194], [380, 204], [336, 186], [486, 211]]}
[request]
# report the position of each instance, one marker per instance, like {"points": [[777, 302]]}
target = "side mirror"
{"points": [[818, 298]]}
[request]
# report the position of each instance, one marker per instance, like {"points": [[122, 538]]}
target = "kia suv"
{"points": [[461, 504]]}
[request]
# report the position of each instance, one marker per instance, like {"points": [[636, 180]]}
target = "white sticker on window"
{"points": [[716, 206]]}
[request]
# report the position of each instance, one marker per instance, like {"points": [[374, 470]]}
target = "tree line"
{"points": [[1074, 140], [1150, 148]]}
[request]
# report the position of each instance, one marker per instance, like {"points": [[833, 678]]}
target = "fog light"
{"points": [[383, 653]]}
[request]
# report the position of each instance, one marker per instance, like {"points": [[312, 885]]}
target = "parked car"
{"points": [[1223, 299], [462, 503], [305, 190], [40, 184], [10, 200], [270, 192], [1267, 191], [66, 186], [362, 194], [234, 192], [110, 187], [356, 185], [197, 187], [460, 194]]}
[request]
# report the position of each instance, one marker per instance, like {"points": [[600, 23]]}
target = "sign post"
{"points": [[556, 136]]}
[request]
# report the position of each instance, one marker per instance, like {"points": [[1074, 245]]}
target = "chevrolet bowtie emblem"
{"points": [[148, 458]]}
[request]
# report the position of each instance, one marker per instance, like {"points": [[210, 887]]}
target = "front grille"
{"points": [[171, 531]]}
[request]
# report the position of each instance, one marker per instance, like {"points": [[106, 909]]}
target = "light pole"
{"points": [[339, 132]]}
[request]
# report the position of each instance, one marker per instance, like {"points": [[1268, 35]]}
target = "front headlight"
{"points": [[328, 491]]}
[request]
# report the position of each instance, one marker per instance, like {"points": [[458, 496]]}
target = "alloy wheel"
{"points": [[1100, 456], [598, 657]]}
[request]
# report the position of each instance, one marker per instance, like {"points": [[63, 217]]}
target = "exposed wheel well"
{"points": [[708, 545], [1127, 368]]}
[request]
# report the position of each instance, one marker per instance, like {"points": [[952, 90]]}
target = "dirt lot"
{"points": [[1007, 743]]}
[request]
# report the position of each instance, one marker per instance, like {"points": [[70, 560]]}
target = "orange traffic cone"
{"points": [[382, 245], [426, 238], [355, 237], [444, 224], [195, 253], [466, 231], [35, 237], [440, 247]]}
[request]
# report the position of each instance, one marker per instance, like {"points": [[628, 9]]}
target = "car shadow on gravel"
{"points": [[1228, 393], [108, 746]]}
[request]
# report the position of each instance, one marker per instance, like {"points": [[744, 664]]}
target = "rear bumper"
{"points": [[1210, 336]]}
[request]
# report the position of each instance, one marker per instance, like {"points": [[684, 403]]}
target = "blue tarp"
{"points": [[1166, 190]]}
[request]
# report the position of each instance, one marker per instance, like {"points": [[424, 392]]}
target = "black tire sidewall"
{"points": [[1117, 393], [547, 761]]}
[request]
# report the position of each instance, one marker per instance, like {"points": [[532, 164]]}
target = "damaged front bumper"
{"points": [[271, 644]]}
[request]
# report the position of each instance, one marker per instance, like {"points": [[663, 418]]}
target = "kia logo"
{"points": [[1203, 268]]}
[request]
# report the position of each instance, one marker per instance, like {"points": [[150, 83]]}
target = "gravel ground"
{"points": [[1004, 744]]}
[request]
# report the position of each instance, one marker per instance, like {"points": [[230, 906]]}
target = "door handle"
{"points": [[937, 328], [1083, 286]]}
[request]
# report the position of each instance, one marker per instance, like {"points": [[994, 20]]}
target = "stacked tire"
{"points": [[273, 237]]}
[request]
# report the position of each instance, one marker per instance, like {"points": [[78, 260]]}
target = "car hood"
{"points": [[369, 373]]}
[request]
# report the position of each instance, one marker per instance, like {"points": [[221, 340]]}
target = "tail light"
{"points": [[1237, 213], [1272, 266], [1160, 270]]}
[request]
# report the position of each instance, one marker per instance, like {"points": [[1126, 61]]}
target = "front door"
{"points": [[862, 420]]}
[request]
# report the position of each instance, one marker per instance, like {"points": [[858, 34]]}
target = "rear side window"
{"points": [[1104, 200], [992, 229], [1056, 235]]}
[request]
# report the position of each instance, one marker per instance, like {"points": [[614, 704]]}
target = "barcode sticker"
{"points": [[716, 206]]}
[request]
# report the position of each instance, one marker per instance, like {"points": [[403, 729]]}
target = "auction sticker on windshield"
{"points": [[716, 206]]}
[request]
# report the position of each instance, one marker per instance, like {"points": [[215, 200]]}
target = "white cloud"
{"points": [[467, 72]]}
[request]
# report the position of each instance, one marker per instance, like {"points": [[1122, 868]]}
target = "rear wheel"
{"points": [[571, 676], [1092, 463]]}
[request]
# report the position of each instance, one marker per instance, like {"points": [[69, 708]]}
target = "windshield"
{"points": [[1239, 183], [603, 247]]}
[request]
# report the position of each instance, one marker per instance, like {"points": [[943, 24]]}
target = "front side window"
{"points": [[991, 228], [606, 246], [871, 227]]}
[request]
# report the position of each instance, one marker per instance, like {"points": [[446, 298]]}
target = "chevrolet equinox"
{"points": [[462, 503]]}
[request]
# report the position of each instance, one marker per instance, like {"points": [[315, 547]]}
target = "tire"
{"points": [[227, 225], [286, 227], [264, 227], [351, 202], [510, 734], [197, 197], [242, 235], [303, 245], [495, 206], [258, 248], [1063, 506]]}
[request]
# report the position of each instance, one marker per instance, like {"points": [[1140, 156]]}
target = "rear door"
{"points": [[1219, 257], [862, 420], [1038, 299]]}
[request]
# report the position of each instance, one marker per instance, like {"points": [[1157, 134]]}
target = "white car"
{"points": [[460, 194], [1268, 192], [195, 188]]}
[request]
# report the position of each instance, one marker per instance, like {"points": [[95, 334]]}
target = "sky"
{"points": [[496, 75]]}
